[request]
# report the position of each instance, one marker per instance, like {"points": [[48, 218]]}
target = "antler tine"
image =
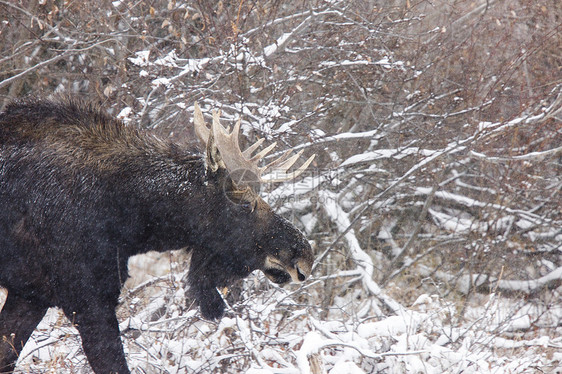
{"points": [[232, 135], [278, 161], [263, 153], [283, 167], [217, 126], [201, 129], [236, 130], [248, 152], [304, 166], [287, 177]]}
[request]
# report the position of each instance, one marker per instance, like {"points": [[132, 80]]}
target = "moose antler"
{"points": [[237, 160]]}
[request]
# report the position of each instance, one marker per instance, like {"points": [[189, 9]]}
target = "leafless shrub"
{"points": [[438, 132]]}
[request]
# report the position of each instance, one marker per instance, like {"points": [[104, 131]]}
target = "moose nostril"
{"points": [[300, 275]]}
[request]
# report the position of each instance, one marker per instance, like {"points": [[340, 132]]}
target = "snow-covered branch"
{"points": [[532, 156], [363, 260]]}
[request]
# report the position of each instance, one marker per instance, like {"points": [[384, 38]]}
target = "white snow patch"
{"points": [[141, 58]]}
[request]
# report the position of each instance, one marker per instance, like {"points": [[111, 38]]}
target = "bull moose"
{"points": [[81, 192]]}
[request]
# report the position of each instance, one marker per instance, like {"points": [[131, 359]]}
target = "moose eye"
{"points": [[250, 205]]}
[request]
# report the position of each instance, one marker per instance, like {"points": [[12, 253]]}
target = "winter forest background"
{"points": [[434, 203]]}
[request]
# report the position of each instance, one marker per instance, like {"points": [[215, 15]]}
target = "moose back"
{"points": [[81, 192]]}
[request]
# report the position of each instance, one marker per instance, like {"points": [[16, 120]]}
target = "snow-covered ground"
{"points": [[281, 330]]}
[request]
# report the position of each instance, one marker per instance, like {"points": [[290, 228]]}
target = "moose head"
{"points": [[251, 235]]}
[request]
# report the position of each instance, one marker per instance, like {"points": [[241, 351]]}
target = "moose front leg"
{"points": [[18, 319], [101, 340], [205, 275], [210, 302]]}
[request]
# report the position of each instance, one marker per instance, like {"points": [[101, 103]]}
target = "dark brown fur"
{"points": [[80, 193]]}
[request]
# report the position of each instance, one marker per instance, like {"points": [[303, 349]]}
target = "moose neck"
{"points": [[173, 202]]}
